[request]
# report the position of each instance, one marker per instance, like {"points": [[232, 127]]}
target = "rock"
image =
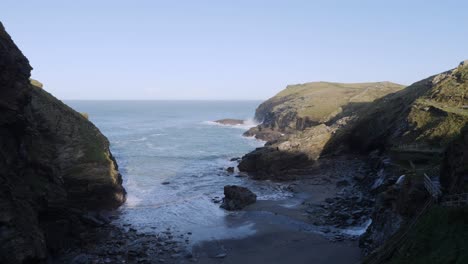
{"points": [[52, 161], [342, 183], [359, 177], [237, 197], [300, 107], [165, 183], [235, 159], [229, 121], [230, 169], [270, 163], [81, 259], [265, 134], [91, 220]]}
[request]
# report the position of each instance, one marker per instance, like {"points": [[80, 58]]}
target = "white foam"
{"points": [[248, 123], [157, 134], [358, 230], [132, 201], [139, 139]]}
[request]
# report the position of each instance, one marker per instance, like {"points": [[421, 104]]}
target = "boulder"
{"points": [[230, 121], [237, 197]]}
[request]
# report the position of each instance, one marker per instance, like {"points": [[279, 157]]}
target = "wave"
{"points": [[358, 230], [157, 134], [138, 140], [248, 123]]}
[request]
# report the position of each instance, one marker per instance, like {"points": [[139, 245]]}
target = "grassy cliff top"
{"points": [[320, 101], [429, 112]]}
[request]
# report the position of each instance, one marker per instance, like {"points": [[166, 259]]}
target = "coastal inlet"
{"points": [[174, 158]]}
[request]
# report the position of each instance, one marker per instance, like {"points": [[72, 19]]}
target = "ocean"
{"points": [[173, 159]]}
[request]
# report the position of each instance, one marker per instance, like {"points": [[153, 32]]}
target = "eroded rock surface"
{"points": [[54, 166], [237, 197], [230, 121]]}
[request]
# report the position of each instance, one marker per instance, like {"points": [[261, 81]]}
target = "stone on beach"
{"points": [[237, 197]]}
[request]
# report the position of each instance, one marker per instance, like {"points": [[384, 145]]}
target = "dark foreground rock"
{"points": [[113, 244], [229, 121], [271, 163], [54, 167], [237, 197]]}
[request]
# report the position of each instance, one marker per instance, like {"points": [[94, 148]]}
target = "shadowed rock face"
{"points": [[301, 106], [54, 166], [454, 176], [419, 130], [237, 197], [427, 115], [300, 121]]}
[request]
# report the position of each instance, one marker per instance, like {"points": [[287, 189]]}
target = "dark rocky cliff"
{"points": [[301, 106], [403, 135], [55, 165], [454, 176], [301, 120]]}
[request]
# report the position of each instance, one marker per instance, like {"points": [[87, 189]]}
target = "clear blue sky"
{"points": [[231, 49]]}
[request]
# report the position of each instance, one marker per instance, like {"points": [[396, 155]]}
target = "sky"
{"points": [[230, 50]]}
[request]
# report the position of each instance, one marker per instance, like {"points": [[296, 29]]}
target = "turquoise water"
{"points": [[156, 142]]}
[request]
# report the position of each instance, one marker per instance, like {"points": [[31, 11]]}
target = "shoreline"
{"points": [[281, 231], [277, 231], [286, 232]]}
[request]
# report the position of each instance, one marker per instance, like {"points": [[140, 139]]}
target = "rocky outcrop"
{"points": [[427, 115], [271, 163], [454, 171], [237, 197], [54, 166], [420, 130], [306, 105], [405, 133], [300, 121], [230, 121]]}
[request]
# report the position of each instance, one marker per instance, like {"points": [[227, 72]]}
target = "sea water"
{"points": [[173, 159]]}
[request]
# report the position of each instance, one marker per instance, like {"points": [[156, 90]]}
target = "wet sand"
{"points": [[281, 237], [269, 231], [283, 234]]}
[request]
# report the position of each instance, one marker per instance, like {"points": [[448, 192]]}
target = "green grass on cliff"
{"points": [[94, 152], [84, 134], [439, 237], [321, 100]]}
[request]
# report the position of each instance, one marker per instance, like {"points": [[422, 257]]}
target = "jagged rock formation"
{"points": [[306, 105], [454, 171], [416, 131], [54, 166], [425, 116], [237, 197], [300, 121], [230, 121]]}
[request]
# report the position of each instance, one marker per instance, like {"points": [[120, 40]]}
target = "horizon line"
{"points": [[163, 99]]}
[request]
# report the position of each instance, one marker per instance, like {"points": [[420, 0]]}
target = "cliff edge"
{"points": [[300, 121], [55, 166]]}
